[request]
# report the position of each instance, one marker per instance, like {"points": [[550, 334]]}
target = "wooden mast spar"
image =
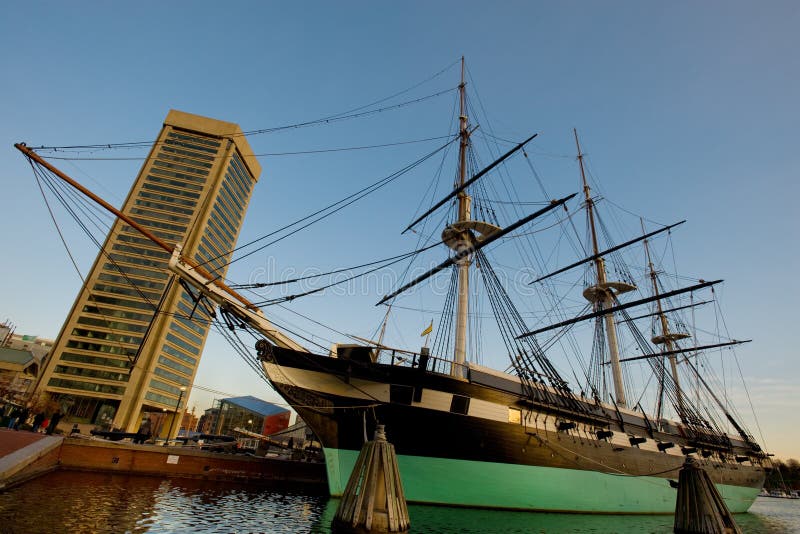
{"points": [[464, 215], [602, 294], [666, 338], [186, 268]]}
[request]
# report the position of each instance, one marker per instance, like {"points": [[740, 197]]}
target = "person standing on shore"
{"points": [[37, 422], [23, 417], [53, 423], [145, 429], [12, 418]]}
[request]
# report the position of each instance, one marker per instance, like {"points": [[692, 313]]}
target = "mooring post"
{"points": [[699, 508], [373, 500]]}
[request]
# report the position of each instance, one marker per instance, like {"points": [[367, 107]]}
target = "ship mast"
{"points": [[464, 215], [666, 338], [602, 294], [466, 235]]}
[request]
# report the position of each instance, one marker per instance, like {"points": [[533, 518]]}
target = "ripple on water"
{"points": [[98, 503]]}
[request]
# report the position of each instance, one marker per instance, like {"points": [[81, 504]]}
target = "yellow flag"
{"points": [[427, 330]]}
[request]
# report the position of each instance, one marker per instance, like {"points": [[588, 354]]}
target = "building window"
{"points": [[169, 375], [85, 386], [94, 360], [162, 399], [91, 373], [174, 365]]}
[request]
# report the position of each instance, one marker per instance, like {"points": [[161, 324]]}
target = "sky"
{"points": [[685, 110]]}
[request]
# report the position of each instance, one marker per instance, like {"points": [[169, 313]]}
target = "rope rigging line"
{"points": [[101, 220], [290, 298], [533, 250], [239, 347], [324, 120], [529, 249], [226, 330], [683, 405], [50, 182], [307, 318], [356, 112], [511, 323], [40, 176], [55, 223], [280, 323], [320, 275], [442, 341], [434, 182], [422, 236], [270, 154], [404, 91], [53, 186], [326, 211]]}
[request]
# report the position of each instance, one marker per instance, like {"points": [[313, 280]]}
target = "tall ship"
{"points": [[609, 439]]}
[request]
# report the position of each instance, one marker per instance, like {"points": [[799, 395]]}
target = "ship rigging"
{"points": [[532, 422]]}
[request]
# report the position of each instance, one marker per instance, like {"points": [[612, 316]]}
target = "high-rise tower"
{"points": [[116, 357]]}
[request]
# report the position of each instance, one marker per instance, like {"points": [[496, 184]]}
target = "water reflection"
{"points": [[98, 503], [451, 520]]}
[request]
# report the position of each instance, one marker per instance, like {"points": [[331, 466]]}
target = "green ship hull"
{"points": [[452, 482]]}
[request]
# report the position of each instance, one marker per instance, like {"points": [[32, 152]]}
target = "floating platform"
{"points": [[25, 455]]}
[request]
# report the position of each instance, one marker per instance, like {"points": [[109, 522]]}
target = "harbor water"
{"points": [[79, 502]]}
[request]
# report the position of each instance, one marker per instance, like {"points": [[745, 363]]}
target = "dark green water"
{"points": [[74, 502]]}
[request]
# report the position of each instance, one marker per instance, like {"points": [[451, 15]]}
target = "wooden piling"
{"points": [[373, 500], [699, 508]]}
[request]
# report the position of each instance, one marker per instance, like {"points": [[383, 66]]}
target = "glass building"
{"points": [[116, 357], [251, 414]]}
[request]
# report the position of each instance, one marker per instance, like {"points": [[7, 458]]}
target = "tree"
{"points": [[786, 474], [43, 403]]}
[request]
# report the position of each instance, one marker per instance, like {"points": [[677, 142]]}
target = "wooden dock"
{"points": [[25, 455]]}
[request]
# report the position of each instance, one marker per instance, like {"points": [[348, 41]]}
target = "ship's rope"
{"points": [[327, 211], [525, 248], [53, 185], [442, 341], [686, 409], [435, 182], [42, 174], [382, 265], [259, 285], [615, 471], [531, 255], [525, 354], [354, 113], [266, 154]]}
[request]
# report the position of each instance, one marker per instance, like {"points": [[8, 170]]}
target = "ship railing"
{"points": [[426, 362]]}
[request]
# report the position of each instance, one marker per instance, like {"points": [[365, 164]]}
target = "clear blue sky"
{"points": [[687, 110]]}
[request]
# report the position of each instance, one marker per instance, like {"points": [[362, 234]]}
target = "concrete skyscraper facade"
{"points": [[116, 358]]}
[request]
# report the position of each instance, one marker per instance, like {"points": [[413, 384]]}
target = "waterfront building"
{"points": [[6, 329], [39, 347], [115, 357], [251, 414], [21, 359], [208, 421], [18, 371], [188, 423]]}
